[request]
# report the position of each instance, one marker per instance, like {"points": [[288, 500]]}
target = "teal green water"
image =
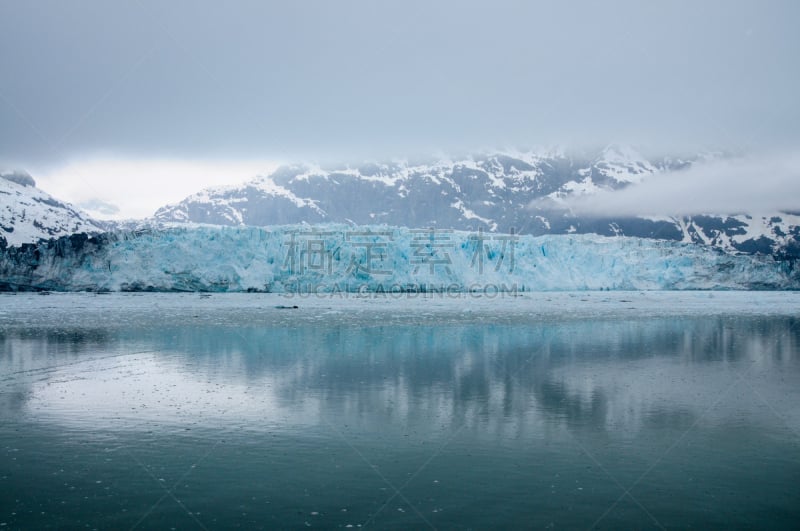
{"points": [[588, 423]]}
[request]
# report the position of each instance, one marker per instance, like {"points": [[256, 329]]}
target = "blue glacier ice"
{"points": [[332, 257]]}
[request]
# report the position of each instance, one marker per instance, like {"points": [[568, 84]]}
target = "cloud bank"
{"points": [[756, 184]]}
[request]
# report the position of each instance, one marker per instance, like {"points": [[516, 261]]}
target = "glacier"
{"points": [[332, 258]]}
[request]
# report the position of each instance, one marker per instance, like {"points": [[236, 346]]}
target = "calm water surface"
{"points": [[594, 422]]}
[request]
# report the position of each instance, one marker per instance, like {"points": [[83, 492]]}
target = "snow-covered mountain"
{"points": [[491, 192], [27, 214], [525, 192]]}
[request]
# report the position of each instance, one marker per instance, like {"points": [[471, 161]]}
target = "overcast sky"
{"points": [[252, 83]]}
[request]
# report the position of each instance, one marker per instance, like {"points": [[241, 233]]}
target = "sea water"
{"points": [[562, 410]]}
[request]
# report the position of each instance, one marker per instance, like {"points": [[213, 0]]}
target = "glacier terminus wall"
{"points": [[331, 258]]}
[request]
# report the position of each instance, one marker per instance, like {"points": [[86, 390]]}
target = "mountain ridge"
{"points": [[521, 192], [525, 192]]}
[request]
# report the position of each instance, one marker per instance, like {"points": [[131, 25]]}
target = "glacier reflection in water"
{"points": [[525, 424]]}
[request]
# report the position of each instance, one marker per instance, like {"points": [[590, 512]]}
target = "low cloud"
{"points": [[755, 184], [98, 206]]}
